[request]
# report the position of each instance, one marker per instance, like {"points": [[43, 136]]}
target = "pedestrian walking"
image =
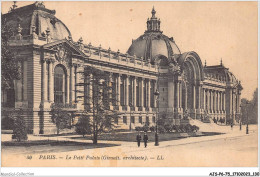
{"points": [[138, 139], [145, 139]]}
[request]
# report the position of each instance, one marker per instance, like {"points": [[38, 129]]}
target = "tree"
{"points": [[20, 129], [101, 117], [83, 126], [250, 109], [10, 69], [253, 114], [60, 117]]}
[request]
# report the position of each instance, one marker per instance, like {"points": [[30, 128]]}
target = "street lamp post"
{"points": [[247, 128], [156, 93], [240, 123]]}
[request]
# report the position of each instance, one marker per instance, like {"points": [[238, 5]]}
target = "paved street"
{"points": [[232, 149]]}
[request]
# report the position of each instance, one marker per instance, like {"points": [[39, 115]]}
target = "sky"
{"points": [[214, 30]]}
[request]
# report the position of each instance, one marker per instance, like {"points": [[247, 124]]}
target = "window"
{"points": [[133, 119], [124, 119], [59, 85], [140, 120], [116, 120], [147, 121]]}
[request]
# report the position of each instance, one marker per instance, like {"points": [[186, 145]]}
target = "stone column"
{"points": [[51, 80], [44, 81], [76, 81], [67, 89], [155, 88], [170, 94], [110, 91], [24, 80], [126, 90], [224, 101], [199, 96], [142, 92], [215, 101], [194, 97], [90, 90], [134, 91], [180, 97], [72, 84], [204, 98], [177, 94], [148, 93], [212, 101], [118, 89]]}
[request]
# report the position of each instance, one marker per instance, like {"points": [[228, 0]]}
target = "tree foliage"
{"points": [[20, 129], [83, 126], [60, 117], [101, 117], [250, 109], [10, 70]]}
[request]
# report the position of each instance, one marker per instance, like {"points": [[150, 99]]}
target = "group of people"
{"points": [[139, 138]]}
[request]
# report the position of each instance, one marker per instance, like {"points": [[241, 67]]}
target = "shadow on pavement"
{"points": [[45, 146]]}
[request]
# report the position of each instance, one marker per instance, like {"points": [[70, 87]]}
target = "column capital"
{"points": [[44, 60]]}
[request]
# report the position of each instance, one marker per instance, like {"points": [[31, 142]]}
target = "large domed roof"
{"points": [[38, 16], [153, 42]]}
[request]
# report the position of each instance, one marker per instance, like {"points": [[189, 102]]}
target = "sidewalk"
{"points": [[130, 146]]}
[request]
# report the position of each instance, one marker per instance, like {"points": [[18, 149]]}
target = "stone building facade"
{"points": [[51, 63]]}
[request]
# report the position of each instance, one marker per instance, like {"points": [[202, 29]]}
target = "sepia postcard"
{"points": [[129, 84]]}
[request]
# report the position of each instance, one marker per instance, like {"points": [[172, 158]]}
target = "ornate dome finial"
{"points": [[153, 12], [153, 24], [205, 63], [221, 62]]}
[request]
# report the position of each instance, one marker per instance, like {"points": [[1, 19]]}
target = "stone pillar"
{"points": [[177, 94], [215, 101], [154, 98], [118, 89], [204, 98], [180, 97], [44, 81], [90, 90], [72, 84], [142, 92], [212, 101], [224, 101], [148, 93], [24, 80], [110, 91], [170, 94], [194, 97], [126, 91], [76, 82], [134, 91], [67, 89], [51, 80], [199, 96]]}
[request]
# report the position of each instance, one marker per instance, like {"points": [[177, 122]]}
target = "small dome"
{"points": [[38, 16], [153, 43]]}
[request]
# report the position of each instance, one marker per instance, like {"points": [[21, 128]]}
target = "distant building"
{"points": [[50, 63]]}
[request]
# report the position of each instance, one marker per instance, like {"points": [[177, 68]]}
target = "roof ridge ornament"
{"points": [[13, 7], [39, 4]]}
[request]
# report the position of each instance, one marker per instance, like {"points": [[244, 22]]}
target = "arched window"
{"points": [[59, 84]]}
